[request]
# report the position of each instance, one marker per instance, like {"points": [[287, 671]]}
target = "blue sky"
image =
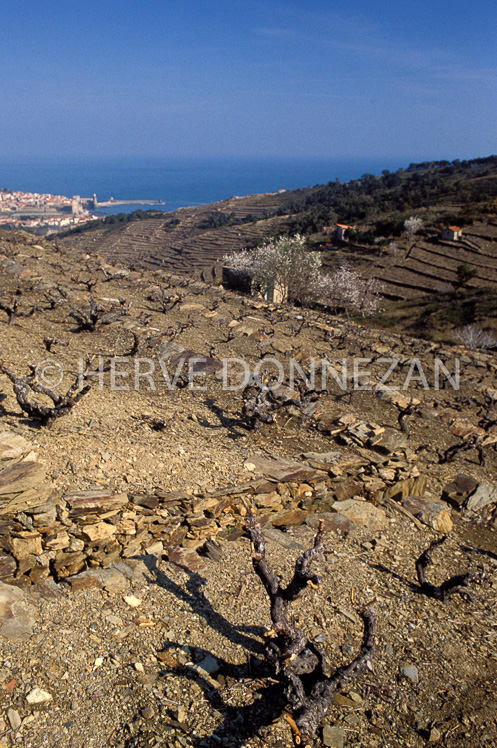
{"points": [[409, 78]]}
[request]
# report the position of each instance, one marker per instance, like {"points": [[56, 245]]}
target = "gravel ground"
{"points": [[123, 674], [133, 676]]}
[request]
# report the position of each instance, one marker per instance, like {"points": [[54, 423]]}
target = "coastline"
{"points": [[185, 182]]}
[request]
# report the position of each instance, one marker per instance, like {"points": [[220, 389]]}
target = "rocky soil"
{"points": [[130, 613]]}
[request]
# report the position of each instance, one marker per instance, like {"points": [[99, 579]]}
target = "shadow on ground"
{"points": [[250, 680]]}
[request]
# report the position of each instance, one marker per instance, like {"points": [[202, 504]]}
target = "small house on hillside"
{"points": [[273, 294], [341, 229], [452, 233]]}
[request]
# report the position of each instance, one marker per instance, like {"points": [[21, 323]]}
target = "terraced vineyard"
{"points": [[431, 265], [185, 248], [428, 267], [193, 240]]}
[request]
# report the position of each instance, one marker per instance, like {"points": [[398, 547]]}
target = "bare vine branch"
{"points": [[62, 404], [457, 583], [141, 344], [159, 424], [473, 442], [261, 401], [12, 308], [91, 318], [166, 302], [299, 663], [50, 342]]}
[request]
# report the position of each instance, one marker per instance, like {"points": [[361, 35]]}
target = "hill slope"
{"points": [[194, 240], [145, 640]]}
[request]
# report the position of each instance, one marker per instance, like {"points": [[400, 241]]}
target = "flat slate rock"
{"points": [[333, 737], [281, 538], [389, 441], [485, 494], [191, 306], [281, 469], [322, 456], [12, 446], [110, 579], [17, 616], [347, 490], [8, 567], [333, 460], [333, 522], [20, 477], [199, 364], [408, 487], [459, 490], [291, 518], [186, 559], [11, 267], [363, 514], [95, 501], [431, 513]]}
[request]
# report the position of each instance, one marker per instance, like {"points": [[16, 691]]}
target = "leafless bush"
{"points": [[142, 343], [159, 424], [56, 301], [474, 336], [50, 342], [89, 283], [261, 401], [300, 664], [393, 249], [166, 301], [173, 331]]}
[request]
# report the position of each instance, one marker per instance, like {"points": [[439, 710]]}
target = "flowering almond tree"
{"points": [[412, 226], [287, 266], [349, 289]]}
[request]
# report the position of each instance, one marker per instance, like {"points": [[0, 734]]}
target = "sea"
{"points": [[181, 181]]}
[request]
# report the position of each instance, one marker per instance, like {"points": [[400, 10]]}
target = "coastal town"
{"points": [[44, 213]]}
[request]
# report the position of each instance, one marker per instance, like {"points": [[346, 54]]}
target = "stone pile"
{"points": [[44, 534]]}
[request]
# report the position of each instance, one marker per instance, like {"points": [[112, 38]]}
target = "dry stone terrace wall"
{"points": [[56, 535], [427, 267], [103, 505], [185, 249], [43, 534]]}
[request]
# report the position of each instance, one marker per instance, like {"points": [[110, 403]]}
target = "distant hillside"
{"points": [[441, 193], [189, 239]]}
